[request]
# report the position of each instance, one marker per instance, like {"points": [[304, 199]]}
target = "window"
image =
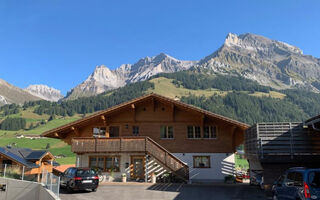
{"points": [[108, 163], [290, 179], [99, 131], [97, 162], [166, 132], [114, 131], [194, 132], [112, 164], [298, 179], [209, 132], [135, 130], [201, 161]]}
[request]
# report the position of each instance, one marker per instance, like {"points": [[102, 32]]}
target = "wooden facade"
{"points": [[150, 113], [153, 125]]}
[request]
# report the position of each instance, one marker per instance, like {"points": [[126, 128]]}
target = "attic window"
{"points": [[210, 132], [99, 132], [193, 132]]}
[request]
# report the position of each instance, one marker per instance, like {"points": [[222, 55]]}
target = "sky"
{"points": [[59, 43]]}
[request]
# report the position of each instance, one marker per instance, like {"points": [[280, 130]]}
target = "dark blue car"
{"points": [[298, 183]]}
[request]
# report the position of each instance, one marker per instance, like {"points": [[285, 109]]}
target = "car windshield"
{"points": [[314, 179], [85, 172]]}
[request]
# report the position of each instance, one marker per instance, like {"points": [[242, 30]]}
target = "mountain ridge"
{"points": [[44, 92], [269, 62], [12, 94]]}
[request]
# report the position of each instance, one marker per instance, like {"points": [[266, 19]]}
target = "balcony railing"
{"points": [[132, 145]]}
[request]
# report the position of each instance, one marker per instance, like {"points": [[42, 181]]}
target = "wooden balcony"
{"points": [[109, 145], [131, 145]]}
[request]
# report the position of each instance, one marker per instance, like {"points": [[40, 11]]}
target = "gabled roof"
{"points": [[23, 156], [98, 114]]}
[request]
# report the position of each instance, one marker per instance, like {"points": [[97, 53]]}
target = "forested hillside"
{"points": [[232, 96]]}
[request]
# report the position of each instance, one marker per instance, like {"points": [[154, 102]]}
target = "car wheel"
{"points": [[69, 189], [94, 190]]}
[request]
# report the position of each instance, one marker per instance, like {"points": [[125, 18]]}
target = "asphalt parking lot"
{"points": [[168, 191]]}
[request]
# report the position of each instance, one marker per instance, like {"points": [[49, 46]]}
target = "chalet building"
{"points": [[31, 162], [153, 135]]}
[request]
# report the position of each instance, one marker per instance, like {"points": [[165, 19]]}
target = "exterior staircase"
{"points": [[160, 157]]}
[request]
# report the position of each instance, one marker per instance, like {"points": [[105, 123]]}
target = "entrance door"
{"points": [[137, 167], [114, 131]]}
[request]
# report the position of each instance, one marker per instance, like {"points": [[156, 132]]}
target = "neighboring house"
{"points": [[273, 147], [32, 162], [154, 135]]}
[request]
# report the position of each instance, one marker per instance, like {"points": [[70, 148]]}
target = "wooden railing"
{"points": [[132, 145]]}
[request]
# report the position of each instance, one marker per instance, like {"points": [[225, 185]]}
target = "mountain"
{"points": [[44, 92], [269, 62], [11, 94], [104, 79]]}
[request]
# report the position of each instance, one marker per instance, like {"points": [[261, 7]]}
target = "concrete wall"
{"points": [[24, 190], [222, 164]]}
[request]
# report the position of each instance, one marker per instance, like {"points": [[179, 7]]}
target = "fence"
{"points": [[49, 180]]}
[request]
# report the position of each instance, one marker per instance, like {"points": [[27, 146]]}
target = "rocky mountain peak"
{"points": [[231, 39], [44, 92]]}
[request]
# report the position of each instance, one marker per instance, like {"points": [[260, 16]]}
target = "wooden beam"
{"points": [[103, 118], [75, 131], [133, 112]]}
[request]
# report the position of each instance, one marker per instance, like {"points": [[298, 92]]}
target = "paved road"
{"points": [[169, 192]]}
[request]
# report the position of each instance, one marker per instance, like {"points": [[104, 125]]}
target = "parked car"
{"points": [[298, 183], [79, 179]]}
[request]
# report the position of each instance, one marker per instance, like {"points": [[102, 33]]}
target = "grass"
{"points": [[165, 87], [272, 94], [57, 147], [42, 128]]}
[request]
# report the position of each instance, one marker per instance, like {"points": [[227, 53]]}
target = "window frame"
{"points": [[210, 132], [194, 132], [104, 162], [205, 156], [167, 133], [99, 127]]}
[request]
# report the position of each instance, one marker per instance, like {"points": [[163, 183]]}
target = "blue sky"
{"points": [[60, 42]]}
